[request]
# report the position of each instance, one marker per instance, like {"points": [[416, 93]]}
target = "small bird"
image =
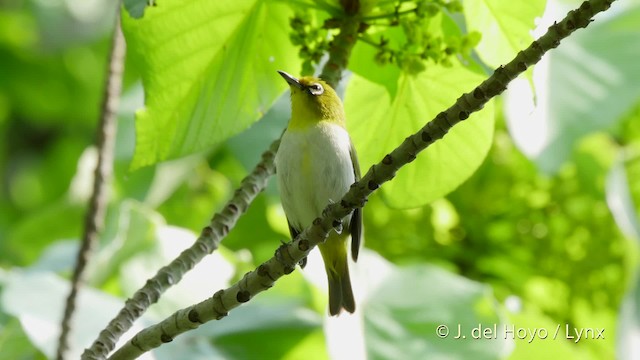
{"points": [[316, 164]]}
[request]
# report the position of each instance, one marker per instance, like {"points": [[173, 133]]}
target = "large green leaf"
{"points": [[208, 69], [378, 122], [505, 26]]}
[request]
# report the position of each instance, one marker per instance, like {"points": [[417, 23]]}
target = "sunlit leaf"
{"points": [[378, 122], [208, 69], [505, 26]]}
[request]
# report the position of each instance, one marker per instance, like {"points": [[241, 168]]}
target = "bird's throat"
{"points": [[307, 112]]}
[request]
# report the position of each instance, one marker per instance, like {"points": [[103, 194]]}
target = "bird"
{"points": [[316, 164]]}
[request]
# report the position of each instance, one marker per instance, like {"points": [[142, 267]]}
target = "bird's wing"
{"points": [[355, 226]]}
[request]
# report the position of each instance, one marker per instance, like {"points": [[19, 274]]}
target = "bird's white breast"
{"points": [[314, 168]]}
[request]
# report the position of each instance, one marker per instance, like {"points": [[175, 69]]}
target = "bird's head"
{"points": [[312, 101]]}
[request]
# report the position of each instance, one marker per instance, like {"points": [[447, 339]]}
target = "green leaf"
{"points": [[331, 7], [249, 145], [275, 343], [208, 69], [378, 122], [421, 310], [505, 26]]}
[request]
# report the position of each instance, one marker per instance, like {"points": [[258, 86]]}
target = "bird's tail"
{"points": [[340, 292]]}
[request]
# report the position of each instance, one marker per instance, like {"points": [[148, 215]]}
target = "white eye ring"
{"points": [[316, 89]]}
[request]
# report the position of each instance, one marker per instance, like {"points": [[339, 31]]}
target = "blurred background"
{"points": [[544, 234]]}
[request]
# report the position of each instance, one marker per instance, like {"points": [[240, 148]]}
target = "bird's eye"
{"points": [[316, 89]]}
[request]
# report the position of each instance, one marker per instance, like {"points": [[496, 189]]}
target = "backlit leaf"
{"points": [[378, 122], [208, 68]]}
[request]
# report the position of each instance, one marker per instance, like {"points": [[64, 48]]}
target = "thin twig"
{"points": [[94, 220], [288, 255]]}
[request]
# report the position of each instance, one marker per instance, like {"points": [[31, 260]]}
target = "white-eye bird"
{"points": [[316, 164]]}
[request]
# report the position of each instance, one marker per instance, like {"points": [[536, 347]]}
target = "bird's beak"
{"points": [[290, 79]]}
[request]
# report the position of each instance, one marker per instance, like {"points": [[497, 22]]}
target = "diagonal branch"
{"points": [[94, 220], [288, 255], [222, 222]]}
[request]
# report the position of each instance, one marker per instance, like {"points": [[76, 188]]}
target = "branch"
{"points": [[288, 255], [222, 222], [339, 51], [94, 220]]}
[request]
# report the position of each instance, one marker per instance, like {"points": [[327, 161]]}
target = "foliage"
{"points": [[186, 70], [581, 87], [479, 230]]}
